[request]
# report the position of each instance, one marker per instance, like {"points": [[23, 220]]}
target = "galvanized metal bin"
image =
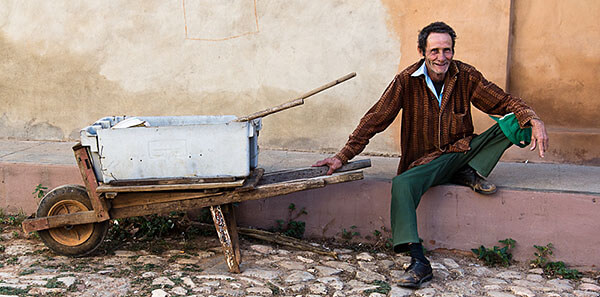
{"points": [[125, 148]]}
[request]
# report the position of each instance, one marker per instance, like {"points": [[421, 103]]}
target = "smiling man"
{"points": [[437, 140]]}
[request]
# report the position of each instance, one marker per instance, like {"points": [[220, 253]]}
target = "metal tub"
{"points": [[171, 146]]}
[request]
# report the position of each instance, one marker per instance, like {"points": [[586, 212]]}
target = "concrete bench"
{"points": [[536, 203]]}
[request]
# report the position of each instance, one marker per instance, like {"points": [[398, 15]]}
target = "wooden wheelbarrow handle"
{"points": [[295, 102]]}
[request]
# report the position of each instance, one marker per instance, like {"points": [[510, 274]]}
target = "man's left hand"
{"points": [[538, 136]]}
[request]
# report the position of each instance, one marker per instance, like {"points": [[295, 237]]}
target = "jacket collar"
{"points": [[419, 68]]}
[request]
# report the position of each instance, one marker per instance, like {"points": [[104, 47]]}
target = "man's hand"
{"points": [[538, 136], [333, 163]]}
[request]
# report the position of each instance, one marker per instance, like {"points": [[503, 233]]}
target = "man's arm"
{"points": [[377, 119], [491, 99]]}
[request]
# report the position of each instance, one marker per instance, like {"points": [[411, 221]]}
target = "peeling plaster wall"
{"points": [[65, 64]]}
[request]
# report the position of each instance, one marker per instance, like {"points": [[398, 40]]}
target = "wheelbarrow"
{"points": [[73, 220]]}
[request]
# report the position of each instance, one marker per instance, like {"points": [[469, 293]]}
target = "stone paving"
{"points": [[28, 268]]}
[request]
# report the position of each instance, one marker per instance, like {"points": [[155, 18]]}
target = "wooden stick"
{"points": [[310, 172], [286, 240], [295, 102], [279, 239]]}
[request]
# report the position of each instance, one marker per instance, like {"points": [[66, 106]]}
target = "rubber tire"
{"points": [[78, 193]]}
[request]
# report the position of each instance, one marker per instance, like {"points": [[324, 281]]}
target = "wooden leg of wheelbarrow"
{"points": [[230, 247], [229, 213]]}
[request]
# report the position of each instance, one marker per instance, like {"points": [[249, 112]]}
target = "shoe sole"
{"points": [[417, 285], [484, 192]]}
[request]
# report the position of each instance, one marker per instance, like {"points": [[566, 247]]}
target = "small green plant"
{"points": [[496, 255], [12, 261], [54, 283], [382, 288], [542, 255], [39, 191], [27, 271], [13, 220], [292, 227], [348, 235], [556, 269], [2, 248], [13, 291], [274, 289], [381, 242], [146, 228]]}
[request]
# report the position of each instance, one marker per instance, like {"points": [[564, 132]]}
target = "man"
{"points": [[437, 140]]}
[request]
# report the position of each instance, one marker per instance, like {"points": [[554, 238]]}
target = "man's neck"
{"points": [[436, 77]]}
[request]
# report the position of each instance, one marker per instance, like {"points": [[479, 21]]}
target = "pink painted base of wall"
{"points": [[450, 216], [18, 181]]}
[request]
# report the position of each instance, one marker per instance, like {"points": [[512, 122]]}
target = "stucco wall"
{"points": [[555, 62], [65, 64]]}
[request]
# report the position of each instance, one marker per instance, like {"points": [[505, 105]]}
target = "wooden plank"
{"points": [[225, 239], [168, 181], [310, 172], [44, 223], [91, 183], [154, 188], [146, 198], [261, 192], [252, 180], [228, 197]]}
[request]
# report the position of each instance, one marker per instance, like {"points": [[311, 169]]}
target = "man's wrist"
{"points": [[535, 121], [340, 156]]}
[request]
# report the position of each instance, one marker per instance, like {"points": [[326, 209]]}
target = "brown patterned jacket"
{"points": [[429, 130]]}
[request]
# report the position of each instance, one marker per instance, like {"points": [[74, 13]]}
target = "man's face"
{"points": [[438, 55]]}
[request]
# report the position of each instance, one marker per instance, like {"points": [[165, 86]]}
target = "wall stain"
{"points": [[52, 97]]}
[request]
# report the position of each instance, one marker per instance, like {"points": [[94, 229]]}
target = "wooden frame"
{"points": [[131, 200]]}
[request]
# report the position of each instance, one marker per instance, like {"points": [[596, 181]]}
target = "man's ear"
{"points": [[420, 51]]}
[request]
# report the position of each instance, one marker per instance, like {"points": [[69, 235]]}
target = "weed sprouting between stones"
{"points": [[557, 269], [291, 227], [496, 255], [348, 235], [13, 291], [12, 220], [382, 288]]}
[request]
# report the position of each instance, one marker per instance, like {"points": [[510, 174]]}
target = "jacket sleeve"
{"points": [[491, 99], [377, 119]]}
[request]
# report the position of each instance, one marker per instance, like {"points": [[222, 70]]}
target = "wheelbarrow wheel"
{"points": [[71, 240]]}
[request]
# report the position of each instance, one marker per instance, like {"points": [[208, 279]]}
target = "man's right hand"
{"points": [[333, 163]]}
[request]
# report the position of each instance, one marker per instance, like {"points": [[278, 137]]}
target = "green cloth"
{"points": [[408, 187], [514, 133]]}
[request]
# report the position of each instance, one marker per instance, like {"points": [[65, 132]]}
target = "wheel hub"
{"points": [[70, 235]]}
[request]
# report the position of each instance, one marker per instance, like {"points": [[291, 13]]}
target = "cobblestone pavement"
{"points": [[28, 268]]}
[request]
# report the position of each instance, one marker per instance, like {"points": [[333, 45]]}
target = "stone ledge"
{"points": [[535, 204], [450, 217]]}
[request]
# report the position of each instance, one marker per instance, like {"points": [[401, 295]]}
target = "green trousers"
{"points": [[408, 187]]}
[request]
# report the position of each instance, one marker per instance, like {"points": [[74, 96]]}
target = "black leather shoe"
{"points": [[416, 274], [470, 178]]}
